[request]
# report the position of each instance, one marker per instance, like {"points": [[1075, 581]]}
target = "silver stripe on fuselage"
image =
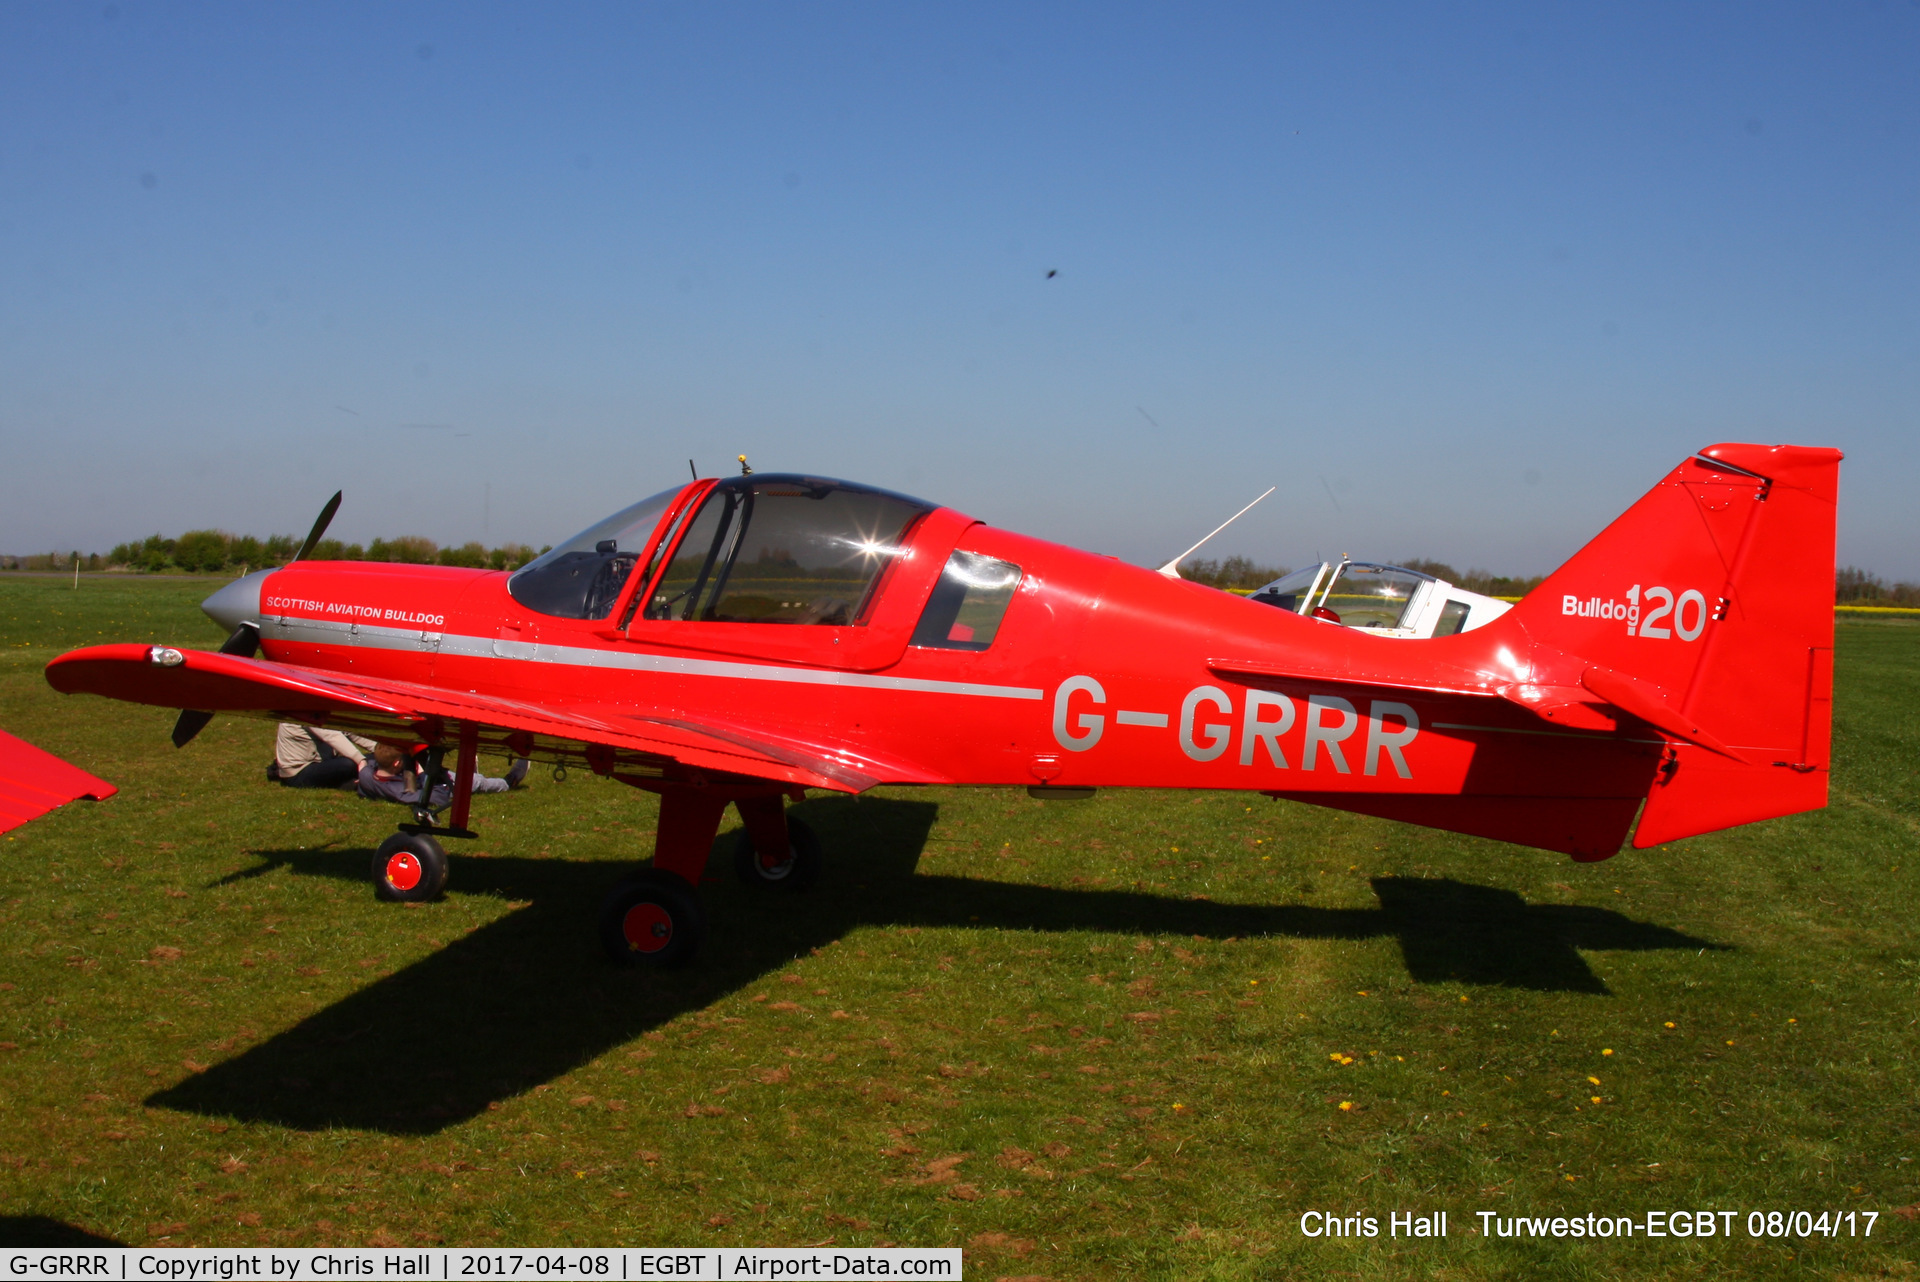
{"points": [[323, 632]]}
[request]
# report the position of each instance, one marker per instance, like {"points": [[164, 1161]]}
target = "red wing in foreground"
{"points": [[32, 782]]}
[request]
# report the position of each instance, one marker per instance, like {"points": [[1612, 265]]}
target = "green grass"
{"points": [[1132, 1021]]}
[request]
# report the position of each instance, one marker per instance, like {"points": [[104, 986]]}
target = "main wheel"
{"points": [[652, 918], [795, 872], [409, 868]]}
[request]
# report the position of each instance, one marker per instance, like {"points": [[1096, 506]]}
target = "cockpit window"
{"points": [[968, 603], [784, 549], [582, 578], [1453, 619]]}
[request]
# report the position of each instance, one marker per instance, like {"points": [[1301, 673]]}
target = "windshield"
{"points": [[582, 578], [1286, 592], [1371, 596], [784, 549], [1356, 593]]}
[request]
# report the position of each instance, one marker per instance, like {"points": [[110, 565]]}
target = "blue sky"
{"points": [[1463, 281]]}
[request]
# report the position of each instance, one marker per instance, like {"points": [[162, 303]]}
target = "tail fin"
{"points": [[1707, 608]]}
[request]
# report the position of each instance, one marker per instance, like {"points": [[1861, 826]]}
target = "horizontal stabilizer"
{"points": [[1438, 680], [1644, 702]]}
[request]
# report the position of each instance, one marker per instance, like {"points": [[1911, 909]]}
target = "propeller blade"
{"points": [[245, 642], [320, 526], [190, 724]]}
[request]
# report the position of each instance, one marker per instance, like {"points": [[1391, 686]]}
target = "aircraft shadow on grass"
{"points": [[527, 998], [45, 1231]]}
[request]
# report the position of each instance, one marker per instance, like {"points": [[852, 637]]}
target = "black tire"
{"points": [[795, 873], [409, 869], [652, 918]]}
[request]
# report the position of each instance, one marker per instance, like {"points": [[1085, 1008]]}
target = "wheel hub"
{"points": [[648, 928], [403, 871]]}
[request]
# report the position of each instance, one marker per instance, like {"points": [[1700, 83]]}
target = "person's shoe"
{"points": [[518, 771]]}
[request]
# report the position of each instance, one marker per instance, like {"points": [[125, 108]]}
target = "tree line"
{"points": [[218, 552], [1245, 573], [1855, 586]]}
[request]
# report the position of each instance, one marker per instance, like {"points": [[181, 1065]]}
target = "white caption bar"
{"points": [[369, 1264]]}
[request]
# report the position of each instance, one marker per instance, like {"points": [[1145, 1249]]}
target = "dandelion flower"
{"points": [[1669, 1023], [1335, 1057], [1346, 1106], [1608, 1050], [1363, 992], [1179, 1108], [1729, 1043], [1594, 1080], [1594, 1098]]}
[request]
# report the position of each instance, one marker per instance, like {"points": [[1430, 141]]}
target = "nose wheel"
{"points": [[409, 868], [652, 918]]}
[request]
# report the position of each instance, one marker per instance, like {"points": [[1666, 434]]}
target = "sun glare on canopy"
{"points": [[784, 549]]}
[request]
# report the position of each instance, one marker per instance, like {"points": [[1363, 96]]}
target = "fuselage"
{"points": [[1098, 673]]}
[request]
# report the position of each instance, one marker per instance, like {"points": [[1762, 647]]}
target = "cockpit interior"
{"points": [[1389, 600]]}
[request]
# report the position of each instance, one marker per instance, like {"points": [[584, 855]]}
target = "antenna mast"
{"points": [[1172, 568]]}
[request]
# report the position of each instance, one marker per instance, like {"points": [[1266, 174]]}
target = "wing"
{"points": [[33, 782], [634, 741]]}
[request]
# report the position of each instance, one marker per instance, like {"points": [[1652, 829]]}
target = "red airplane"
{"points": [[742, 640]]}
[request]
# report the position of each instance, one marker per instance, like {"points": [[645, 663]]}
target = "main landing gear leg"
{"points": [[653, 918]]}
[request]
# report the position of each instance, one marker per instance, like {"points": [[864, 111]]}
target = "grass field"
{"points": [[1136, 1036]]}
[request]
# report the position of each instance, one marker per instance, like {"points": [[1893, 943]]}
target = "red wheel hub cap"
{"points": [[648, 928], [403, 871]]}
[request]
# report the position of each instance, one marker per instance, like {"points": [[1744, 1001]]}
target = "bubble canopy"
{"points": [[777, 548], [765, 548]]}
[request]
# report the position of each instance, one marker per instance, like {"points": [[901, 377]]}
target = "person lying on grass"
{"points": [[385, 776], [310, 757]]}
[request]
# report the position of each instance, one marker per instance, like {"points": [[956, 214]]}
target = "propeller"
{"points": [[245, 639], [319, 527]]}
